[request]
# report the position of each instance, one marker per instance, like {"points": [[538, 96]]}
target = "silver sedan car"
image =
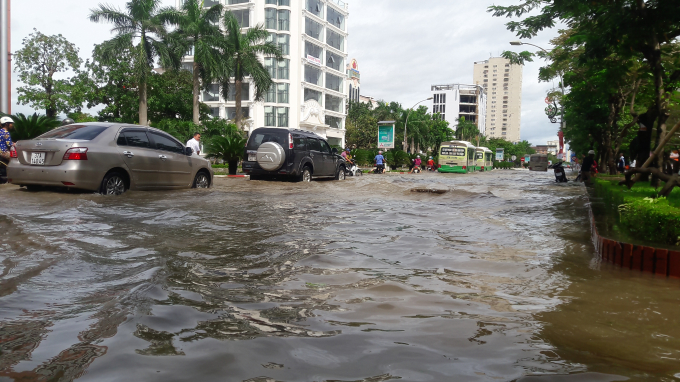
{"points": [[109, 158]]}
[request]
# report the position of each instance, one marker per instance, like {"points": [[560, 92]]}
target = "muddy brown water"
{"points": [[361, 280]]}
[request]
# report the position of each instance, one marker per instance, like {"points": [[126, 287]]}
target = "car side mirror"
{"points": [[334, 150], [188, 151]]}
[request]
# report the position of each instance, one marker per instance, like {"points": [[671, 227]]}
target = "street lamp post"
{"points": [[406, 123], [551, 116]]}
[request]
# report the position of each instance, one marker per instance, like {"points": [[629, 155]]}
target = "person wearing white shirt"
{"points": [[193, 143]]}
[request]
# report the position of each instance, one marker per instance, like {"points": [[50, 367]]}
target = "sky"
{"points": [[402, 47]]}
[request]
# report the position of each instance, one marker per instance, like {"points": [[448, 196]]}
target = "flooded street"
{"points": [[361, 280]]}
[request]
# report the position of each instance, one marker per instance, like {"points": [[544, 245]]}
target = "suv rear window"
{"points": [[83, 132], [258, 139]]}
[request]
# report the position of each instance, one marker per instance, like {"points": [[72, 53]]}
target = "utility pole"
{"points": [[5, 58]]}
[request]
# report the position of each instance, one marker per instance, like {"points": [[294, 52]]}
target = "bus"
{"points": [[457, 156], [484, 159], [538, 162]]}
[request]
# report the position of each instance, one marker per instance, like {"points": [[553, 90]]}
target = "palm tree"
{"points": [[227, 147], [29, 127], [143, 23], [198, 26], [241, 52]]}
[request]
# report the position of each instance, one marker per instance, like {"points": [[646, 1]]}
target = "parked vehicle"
{"points": [[352, 169], [109, 158], [295, 154], [560, 174], [457, 156], [538, 162], [488, 159]]}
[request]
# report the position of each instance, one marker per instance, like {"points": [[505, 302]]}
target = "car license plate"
{"points": [[252, 158], [38, 158]]}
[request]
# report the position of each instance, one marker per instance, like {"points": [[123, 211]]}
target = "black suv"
{"points": [[297, 154]]}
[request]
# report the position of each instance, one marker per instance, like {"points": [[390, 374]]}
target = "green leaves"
{"points": [[29, 127], [41, 64]]}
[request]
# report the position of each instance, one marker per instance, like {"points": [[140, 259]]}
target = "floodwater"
{"points": [[361, 280]]}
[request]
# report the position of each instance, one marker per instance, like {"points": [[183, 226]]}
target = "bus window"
{"points": [[453, 151]]}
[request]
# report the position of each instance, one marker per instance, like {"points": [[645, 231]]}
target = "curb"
{"points": [[661, 262]]}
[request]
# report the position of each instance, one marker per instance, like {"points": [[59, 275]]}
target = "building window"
{"points": [[313, 95], [284, 3], [313, 29], [314, 51], [212, 93], [333, 103], [334, 122], [231, 2], [231, 112], [243, 17], [284, 44], [270, 18], [282, 91], [245, 92], [281, 117], [313, 75], [271, 94], [274, 2], [270, 65], [334, 61], [210, 3], [336, 18], [269, 116], [284, 20], [283, 69], [333, 82], [335, 40], [215, 112], [314, 7]]}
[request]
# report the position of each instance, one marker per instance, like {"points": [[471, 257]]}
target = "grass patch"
{"points": [[641, 214]]}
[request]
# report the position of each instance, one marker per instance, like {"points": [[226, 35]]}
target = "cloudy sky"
{"points": [[402, 46]]}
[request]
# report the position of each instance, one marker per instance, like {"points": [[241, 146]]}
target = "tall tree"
{"points": [[142, 26], [41, 58], [241, 52], [198, 27], [466, 130]]}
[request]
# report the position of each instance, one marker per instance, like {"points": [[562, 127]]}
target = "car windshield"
{"points": [[82, 132]]}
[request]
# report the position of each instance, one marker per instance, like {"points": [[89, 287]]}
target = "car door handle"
{"points": [[129, 154], [162, 157]]}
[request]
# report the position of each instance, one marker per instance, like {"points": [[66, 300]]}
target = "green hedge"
{"points": [[641, 214], [503, 165]]}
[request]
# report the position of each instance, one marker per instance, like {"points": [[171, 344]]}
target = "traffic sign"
{"points": [[514, 157], [521, 159]]}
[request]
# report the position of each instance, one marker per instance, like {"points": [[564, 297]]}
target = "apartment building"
{"points": [[311, 89], [459, 100], [503, 84]]}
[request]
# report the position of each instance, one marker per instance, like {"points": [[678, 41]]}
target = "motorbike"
{"points": [[560, 174], [352, 169]]}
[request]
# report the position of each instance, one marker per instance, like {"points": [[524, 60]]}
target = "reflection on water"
{"points": [[362, 280]]}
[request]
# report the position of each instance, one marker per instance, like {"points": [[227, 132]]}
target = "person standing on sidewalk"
{"points": [[587, 167], [194, 144]]}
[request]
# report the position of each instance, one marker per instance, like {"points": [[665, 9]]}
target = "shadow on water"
{"points": [[362, 280]]}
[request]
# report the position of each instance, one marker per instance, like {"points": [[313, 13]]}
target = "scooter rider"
{"points": [[6, 145], [380, 162]]}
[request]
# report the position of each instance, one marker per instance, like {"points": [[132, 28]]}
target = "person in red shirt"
{"points": [[430, 164]]}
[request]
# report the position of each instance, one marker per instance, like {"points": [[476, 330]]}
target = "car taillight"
{"points": [[290, 141], [439, 166], [13, 154], [76, 153], [482, 168], [464, 168]]}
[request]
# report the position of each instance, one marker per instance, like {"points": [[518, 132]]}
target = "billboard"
{"points": [[385, 136], [499, 154]]}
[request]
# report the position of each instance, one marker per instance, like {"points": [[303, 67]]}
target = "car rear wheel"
{"points": [[113, 184], [202, 180]]}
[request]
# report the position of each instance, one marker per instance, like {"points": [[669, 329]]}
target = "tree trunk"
{"points": [[197, 92], [142, 104], [239, 115], [233, 166]]}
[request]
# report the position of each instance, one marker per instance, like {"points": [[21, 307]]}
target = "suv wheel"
{"points": [[340, 175], [306, 175]]}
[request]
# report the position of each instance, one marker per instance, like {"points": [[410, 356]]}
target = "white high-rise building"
{"points": [[460, 101], [503, 84], [311, 90]]}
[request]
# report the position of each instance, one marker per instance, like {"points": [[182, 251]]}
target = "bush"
{"points": [[651, 219], [29, 127], [503, 165]]}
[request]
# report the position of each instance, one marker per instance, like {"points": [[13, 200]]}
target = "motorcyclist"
{"points": [[380, 162], [430, 164], [6, 145]]}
